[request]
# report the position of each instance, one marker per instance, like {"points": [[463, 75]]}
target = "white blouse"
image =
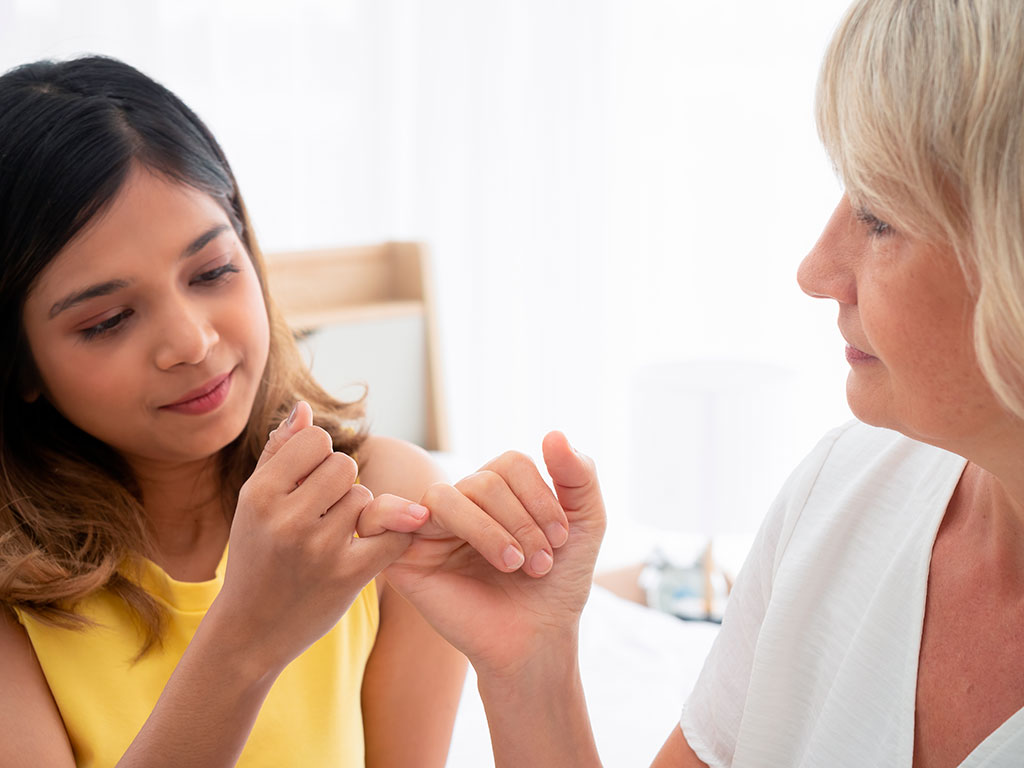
{"points": [[816, 661]]}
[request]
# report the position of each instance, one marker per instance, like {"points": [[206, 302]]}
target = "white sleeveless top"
{"points": [[816, 661]]}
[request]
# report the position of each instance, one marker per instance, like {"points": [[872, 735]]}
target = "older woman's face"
{"points": [[905, 313]]}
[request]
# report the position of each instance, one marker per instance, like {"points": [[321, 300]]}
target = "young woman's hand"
{"points": [[294, 566], [503, 567]]}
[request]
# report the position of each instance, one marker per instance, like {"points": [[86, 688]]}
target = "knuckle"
{"points": [[360, 494], [486, 481], [386, 503], [488, 528], [436, 495], [246, 491], [343, 467], [548, 508], [318, 439], [287, 530], [253, 494], [527, 531], [516, 457]]}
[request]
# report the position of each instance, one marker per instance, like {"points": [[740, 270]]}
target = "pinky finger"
{"points": [[391, 513]]}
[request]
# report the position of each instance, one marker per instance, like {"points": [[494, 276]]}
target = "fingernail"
{"points": [[417, 510], [557, 535], [291, 416], [512, 557], [541, 562]]}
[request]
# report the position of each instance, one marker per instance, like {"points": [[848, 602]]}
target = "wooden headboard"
{"points": [[365, 314]]}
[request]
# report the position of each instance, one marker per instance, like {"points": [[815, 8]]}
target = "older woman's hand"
{"points": [[503, 567]]}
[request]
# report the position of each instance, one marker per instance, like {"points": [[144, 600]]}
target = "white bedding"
{"points": [[638, 667]]}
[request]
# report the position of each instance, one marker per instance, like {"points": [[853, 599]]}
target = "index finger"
{"points": [[296, 459], [300, 417], [525, 481]]}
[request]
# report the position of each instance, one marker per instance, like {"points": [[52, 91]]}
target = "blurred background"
{"points": [[616, 195]]}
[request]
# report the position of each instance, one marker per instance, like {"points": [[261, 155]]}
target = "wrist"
{"points": [[224, 636], [543, 697], [545, 655]]}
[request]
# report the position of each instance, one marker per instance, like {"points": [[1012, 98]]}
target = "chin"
{"points": [[208, 443], [876, 410], [866, 406]]}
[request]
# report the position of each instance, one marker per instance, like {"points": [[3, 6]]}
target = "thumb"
{"points": [[575, 478], [300, 418]]}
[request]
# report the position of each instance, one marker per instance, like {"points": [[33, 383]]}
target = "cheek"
{"points": [[75, 380], [246, 316], [922, 335], [915, 327], [257, 321], [88, 394]]}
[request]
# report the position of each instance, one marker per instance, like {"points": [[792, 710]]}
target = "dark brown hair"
{"points": [[71, 517]]}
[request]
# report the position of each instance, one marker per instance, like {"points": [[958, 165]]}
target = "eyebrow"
{"points": [[109, 287], [203, 240]]}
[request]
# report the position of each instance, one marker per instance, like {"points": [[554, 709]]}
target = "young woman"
{"points": [[175, 589]]}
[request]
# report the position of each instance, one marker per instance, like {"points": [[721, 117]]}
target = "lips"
{"points": [[855, 355], [853, 352], [203, 399], [852, 348]]}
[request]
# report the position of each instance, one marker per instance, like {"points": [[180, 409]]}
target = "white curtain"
{"points": [[606, 185]]}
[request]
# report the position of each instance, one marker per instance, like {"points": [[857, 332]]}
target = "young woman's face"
{"points": [[906, 314], [149, 330]]}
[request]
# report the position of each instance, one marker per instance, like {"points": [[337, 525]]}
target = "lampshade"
{"points": [[711, 444]]}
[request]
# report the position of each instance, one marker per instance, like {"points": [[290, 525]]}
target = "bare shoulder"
{"points": [[390, 465], [31, 730]]}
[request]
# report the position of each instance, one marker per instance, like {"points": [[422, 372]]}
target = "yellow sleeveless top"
{"points": [[311, 717]]}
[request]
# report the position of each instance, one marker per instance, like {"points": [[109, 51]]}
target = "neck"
{"points": [[987, 515], [998, 452], [183, 505]]}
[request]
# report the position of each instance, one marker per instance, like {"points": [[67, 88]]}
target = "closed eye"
{"points": [[874, 224], [214, 276], [106, 327]]}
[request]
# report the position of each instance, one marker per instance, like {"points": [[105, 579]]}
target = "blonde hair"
{"points": [[920, 106]]}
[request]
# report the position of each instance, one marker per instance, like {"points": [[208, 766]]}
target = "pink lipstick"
{"points": [[203, 400]]}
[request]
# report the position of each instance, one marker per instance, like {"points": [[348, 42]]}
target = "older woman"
{"points": [[879, 619]]}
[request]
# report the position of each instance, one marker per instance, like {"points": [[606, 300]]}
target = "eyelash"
{"points": [[215, 276], [876, 226], [113, 324], [107, 327]]}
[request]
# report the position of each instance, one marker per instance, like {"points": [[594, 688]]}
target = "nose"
{"points": [[827, 271], [185, 334]]}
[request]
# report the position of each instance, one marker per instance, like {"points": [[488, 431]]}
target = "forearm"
{"points": [[538, 717], [207, 709], [415, 678]]}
